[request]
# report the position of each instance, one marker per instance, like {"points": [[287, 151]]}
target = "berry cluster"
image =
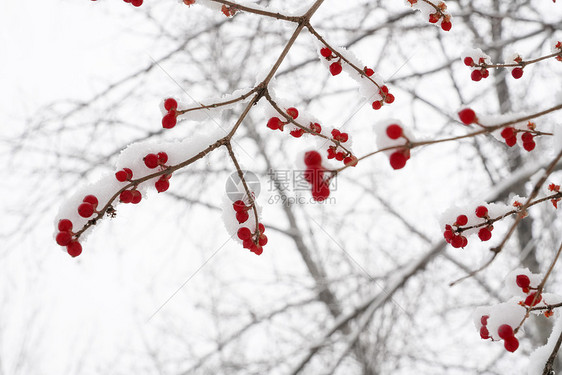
{"points": [[65, 237], [558, 48], [124, 174], [276, 123], [441, 15], [505, 332], [253, 241], [314, 175], [241, 211], [170, 119], [555, 189], [335, 67], [228, 11], [339, 138], [136, 3], [453, 233], [479, 70], [159, 160], [524, 282], [387, 98], [509, 135], [399, 157], [88, 206]]}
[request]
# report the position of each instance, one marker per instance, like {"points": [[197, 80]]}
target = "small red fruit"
{"points": [[468, 61], [275, 123], [434, 17], [239, 205], [481, 211], [151, 161], [86, 209], [65, 225], [529, 146], [531, 297], [476, 75], [523, 281], [394, 131], [136, 3], [312, 158], [242, 216], [398, 160], [244, 233], [91, 199], [377, 105], [297, 133], [511, 141], [505, 331], [63, 238], [170, 104], [169, 120], [484, 234], [326, 52], [320, 191], [508, 132], [126, 196], [484, 334], [446, 25], [462, 220], [484, 319], [511, 344], [121, 176], [137, 196], [335, 68], [162, 184], [517, 73], [368, 71], [389, 99], [467, 116], [293, 112], [74, 249], [162, 157]]}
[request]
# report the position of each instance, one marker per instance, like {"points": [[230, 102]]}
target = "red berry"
{"points": [[398, 160], [326, 52], [262, 240], [434, 17], [350, 160], [86, 209], [389, 98], [369, 72], [315, 127], [377, 105], [74, 249], [129, 173], [457, 241], [126, 196], [462, 220], [511, 344], [320, 191], [293, 112], [162, 157], [261, 228], [484, 234], [383, 89], [137, 196], [484, 334], [244, 233], [170, 104], [448, 234], [246, 244], [508, 132], [467, 116], [511, 141], [344, 137], [91, 199], [476, 75], [531, 297], [527, 137], [464, 242], [505, 331], [162, 184], [65, 225], [239, 205], [151, 161], [484, 319], [258, 250], [340, 156], [331, 153], [485, 73], [136, 3], [63, 238], [481, 211], [446, 25], [312, 158], [517, 73], [529, 146], [242, 216], [394, 131], [121, 176], [297, 133], [274, 123], [468, 61], [335, 133], [335, 68], [169, 120], [523, 281]]}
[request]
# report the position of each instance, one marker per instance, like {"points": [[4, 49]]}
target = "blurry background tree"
{"points": [[357, 285]]}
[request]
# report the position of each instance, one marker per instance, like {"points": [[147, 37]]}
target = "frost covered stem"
{"points": [[241, 176], [260, 12], [534, 193], [550, 363]]}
